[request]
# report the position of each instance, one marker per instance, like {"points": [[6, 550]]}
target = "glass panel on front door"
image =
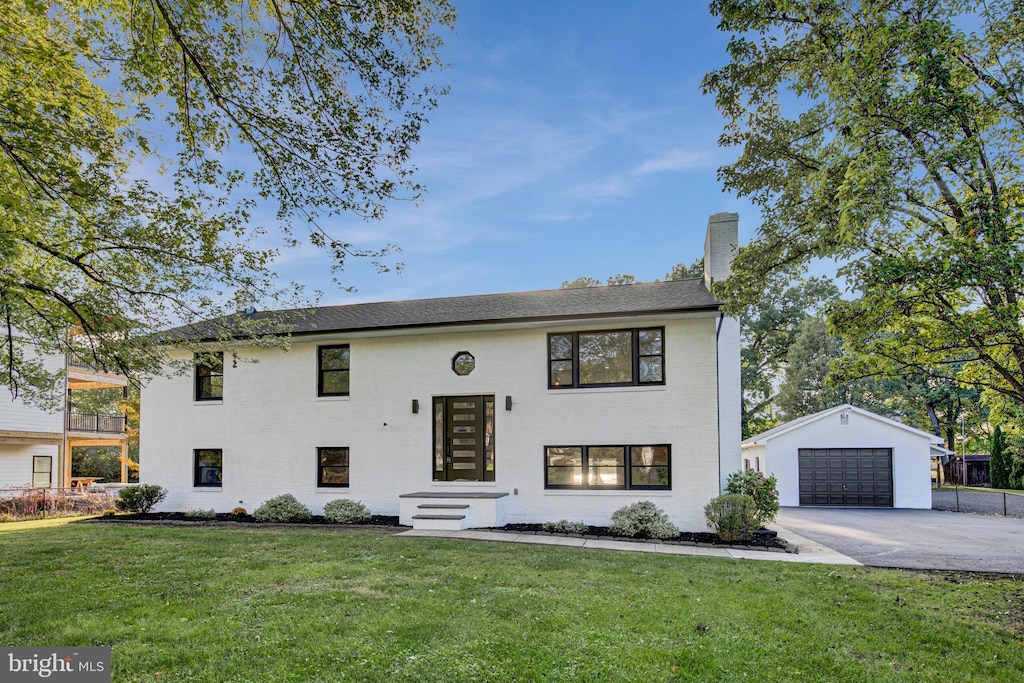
{"points": [[464, 438]]}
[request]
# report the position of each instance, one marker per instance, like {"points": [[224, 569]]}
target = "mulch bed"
{"points": [[757, 542]]}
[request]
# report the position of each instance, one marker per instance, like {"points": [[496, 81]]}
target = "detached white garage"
{"points": [[847, 457]]}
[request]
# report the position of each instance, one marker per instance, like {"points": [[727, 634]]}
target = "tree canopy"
{"points": [[769, 327], [587, 281], [136, 138], [888, 136]]}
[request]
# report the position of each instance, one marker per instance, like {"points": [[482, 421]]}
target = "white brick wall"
{"points": [[270, 421]]}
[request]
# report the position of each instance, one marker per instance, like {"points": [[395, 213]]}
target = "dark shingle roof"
{"points": [[553, 304]]}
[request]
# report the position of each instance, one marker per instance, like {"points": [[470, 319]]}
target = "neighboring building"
{"points": [[977, 469], [36, 446], [849, 457], [467, 411]]}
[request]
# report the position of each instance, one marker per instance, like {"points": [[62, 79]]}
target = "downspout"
{"points": [[718, 396]]}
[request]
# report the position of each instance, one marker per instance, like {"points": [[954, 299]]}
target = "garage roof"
{"points": [[762, 438]]}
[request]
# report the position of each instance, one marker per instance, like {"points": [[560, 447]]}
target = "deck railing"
{"points": [[93, 422]]}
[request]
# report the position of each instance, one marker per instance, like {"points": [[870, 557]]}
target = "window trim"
{"points": [[628, 467], [49, 472], [196, 393], [320, 370], [320, 483], [635, 381], [195, 469]]}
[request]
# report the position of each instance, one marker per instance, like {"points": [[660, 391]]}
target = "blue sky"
{"points": [[575, 141]]}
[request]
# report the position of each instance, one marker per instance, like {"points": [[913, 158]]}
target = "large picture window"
{"points": [[209, 376], [607, 467], [333, 370], [606, 358], [332, 467], [208, 467]]}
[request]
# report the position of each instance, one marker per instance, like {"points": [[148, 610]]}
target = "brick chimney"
{"points": [[719, 250], [720, 246]]}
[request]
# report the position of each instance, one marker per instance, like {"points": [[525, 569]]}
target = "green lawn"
{"points": [[228, 604]]}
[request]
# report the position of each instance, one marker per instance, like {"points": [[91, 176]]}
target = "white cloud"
{"points": [[672, 161], [626, 183]]}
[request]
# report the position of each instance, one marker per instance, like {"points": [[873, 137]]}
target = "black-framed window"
{"points": [[606, 358], [608, 467], [209, 376], [332, 467], [208, 468], [42, 471], [333, 370]]}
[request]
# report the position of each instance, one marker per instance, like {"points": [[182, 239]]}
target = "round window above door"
{"points": [[463, 363]]}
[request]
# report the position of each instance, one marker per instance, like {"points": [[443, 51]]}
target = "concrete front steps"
{"points": [[453, 511]]}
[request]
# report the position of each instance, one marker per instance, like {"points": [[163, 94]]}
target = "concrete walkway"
{"points": [[809, 551]]}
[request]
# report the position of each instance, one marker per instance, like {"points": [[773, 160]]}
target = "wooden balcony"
{"points": [[83, 374], [93, 423]]}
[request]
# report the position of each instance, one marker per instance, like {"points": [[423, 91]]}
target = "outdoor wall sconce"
{"points": [[508, 403], [415, 406]]}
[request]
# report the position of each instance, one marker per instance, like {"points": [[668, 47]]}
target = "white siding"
{"points": [[15, 415], [16, 464], [271, 421], [911, 461]]}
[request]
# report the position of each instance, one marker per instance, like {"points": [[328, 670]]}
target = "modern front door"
{"points": [[464, 438]]}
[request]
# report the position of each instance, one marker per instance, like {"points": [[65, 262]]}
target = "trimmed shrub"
{"points": [[282, 509], [643, 520], [239, 512], [141, 498], [201, 514], [345, 511], [733, 516], [764, 490], [564, 526]]}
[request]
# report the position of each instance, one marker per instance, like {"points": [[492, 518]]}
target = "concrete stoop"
{"points": [[453, 511]]}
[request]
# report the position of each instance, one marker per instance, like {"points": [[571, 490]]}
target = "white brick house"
{"points": [[523, 407]]}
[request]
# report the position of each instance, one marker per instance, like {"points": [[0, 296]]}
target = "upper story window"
{"points": [[606, 358], [332, 370], [209, 376]]}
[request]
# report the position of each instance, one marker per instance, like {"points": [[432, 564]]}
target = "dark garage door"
{"points": [[853, 477]]}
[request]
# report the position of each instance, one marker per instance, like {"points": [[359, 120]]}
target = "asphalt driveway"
{"points": [[913, 539]]}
